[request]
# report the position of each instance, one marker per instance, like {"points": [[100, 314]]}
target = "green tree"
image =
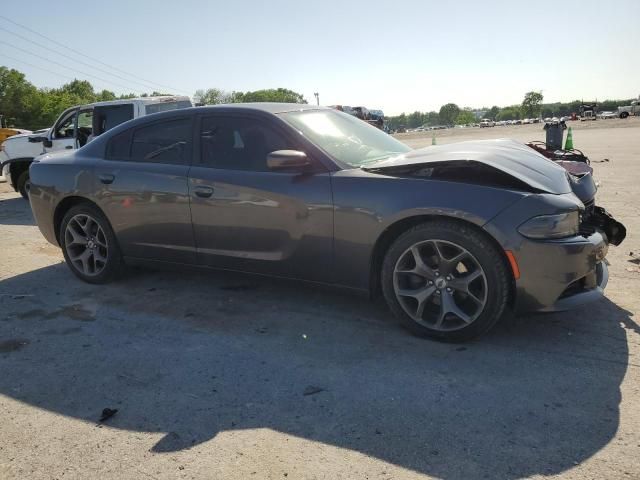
{"points": [[492, 113], [509, 113], [531, 105], [449, 113], [282, 95], [80, 89], [465, 117], [105, 96], [19, 100], [432, 118], [415, 120], [212, 96]]}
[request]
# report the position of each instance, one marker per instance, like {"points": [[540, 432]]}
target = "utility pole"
{"points": [[317, 95]]}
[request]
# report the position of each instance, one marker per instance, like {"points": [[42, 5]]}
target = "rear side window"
{"points": [[162, 142], [119, 147]]}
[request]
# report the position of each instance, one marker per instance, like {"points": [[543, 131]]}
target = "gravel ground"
{"points": [[228, 376]]}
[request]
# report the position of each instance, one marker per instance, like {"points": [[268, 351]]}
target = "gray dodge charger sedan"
{"points": [[452, 236]]}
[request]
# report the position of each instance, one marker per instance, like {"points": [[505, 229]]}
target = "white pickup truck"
{"points": [[633, 109], [73, 129]]}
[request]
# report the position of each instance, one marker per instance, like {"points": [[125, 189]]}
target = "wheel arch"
{"points": [[393, 231], [64, 206], [16, 168]]}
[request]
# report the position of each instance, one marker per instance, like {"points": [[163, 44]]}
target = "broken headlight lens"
{"points": [[551, 226]]}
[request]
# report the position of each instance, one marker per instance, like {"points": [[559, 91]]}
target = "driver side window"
{"points": [[66, 126], [85, 126], [238, 143]]}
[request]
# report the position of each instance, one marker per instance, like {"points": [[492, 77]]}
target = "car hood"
{"points": [[509, 156]]}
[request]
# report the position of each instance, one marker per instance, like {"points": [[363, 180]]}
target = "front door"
{"points": [[142, 186], [248, 218], [63, 133]]}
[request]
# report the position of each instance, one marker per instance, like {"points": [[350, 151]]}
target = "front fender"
{"points": [[365, 207]]}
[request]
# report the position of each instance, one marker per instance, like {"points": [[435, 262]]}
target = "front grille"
{"points": [[586, 230]]}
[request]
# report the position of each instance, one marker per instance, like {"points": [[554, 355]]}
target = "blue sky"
{"points": [[394, 55]]}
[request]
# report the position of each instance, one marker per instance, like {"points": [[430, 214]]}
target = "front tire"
{"points": [[89, 245], [445, 280], [22, 185]]}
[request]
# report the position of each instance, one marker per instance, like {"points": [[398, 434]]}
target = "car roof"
{"points": [[270, 107]]}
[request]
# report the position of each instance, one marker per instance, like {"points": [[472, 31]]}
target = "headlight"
{"points": [[551, 226]]}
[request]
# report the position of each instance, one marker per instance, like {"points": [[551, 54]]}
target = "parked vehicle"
{"points": [[607, 115], [73, 129], [344, 108], [362, 113], [588, 111], [376, 118], [4, 134], [487, 123], [633, 109], [451, 235]]}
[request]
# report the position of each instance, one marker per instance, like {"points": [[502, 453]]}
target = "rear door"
{"points": [[142, 186], [246, 217]]}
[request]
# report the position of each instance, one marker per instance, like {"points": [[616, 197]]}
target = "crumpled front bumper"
{"points": [[582, 295], [561, 274]]}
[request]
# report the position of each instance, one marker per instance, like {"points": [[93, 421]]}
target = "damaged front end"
{"points": [[594, 218], [556, 233], [510, 165]]}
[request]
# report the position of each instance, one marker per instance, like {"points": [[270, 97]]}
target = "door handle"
{"points": [[69, 147], [106, 178], [203, 192]]}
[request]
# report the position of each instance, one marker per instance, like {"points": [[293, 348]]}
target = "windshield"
{"points": [[345, 137]]}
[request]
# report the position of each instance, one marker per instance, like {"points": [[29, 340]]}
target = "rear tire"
{"points": [[624, 115], [89, 245], [455, 289], [23, 184]]}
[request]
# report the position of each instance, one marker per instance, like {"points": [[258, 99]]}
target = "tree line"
{"points": [[532, 106], [23, 105]]}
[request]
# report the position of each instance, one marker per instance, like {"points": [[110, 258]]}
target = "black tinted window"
{"points": [[119, 147], [236, 143], [107, 117], [165, 142]]}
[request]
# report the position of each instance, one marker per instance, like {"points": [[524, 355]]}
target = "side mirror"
{"points": [[287, 160], [47, 143]]}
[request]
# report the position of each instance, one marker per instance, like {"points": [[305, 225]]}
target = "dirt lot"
{"points": [[220, 376]]}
